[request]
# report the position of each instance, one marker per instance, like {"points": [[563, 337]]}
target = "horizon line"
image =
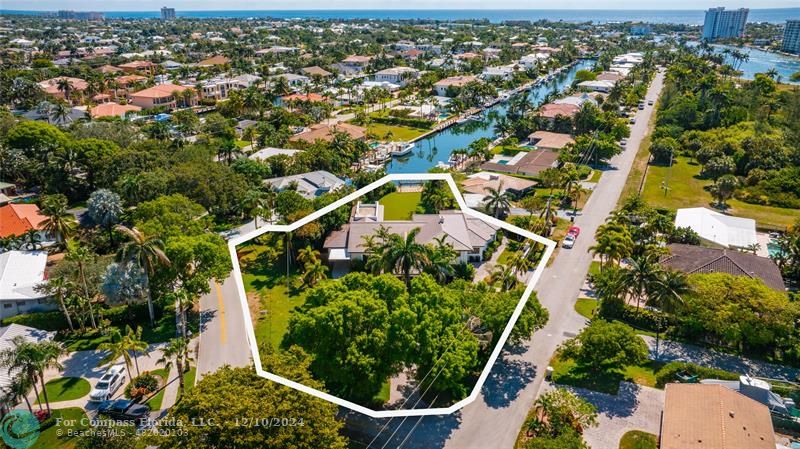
{"points": [[389, 9]]}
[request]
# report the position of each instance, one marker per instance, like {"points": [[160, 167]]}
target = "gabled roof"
{"points": [[159, 91], [699, 416], [697, 259], [719, 228], [112, 109], [7, 334], [316, 70], [20, 273], [214, 60], [16, 219]]}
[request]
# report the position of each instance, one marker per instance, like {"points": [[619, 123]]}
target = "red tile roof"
{"points": [[551, 110], [16, 219]]}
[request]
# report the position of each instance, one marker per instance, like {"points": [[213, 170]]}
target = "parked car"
{"points": [[124, 409], [623, 142], [650, 103], [641, 106], [108, 384], [632, 120], [572, 235]]}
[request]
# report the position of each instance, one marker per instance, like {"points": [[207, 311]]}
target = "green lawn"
{"points": [[636, 439], [400, 205], [65, 389], [164, 330], [398, 133], [594, 268], [188, 380], [49, 437], [505, 256], [586, 307], [276, 298], [596, 174], [242, 143], [155, 401], [567, 372], [686, 189], [383, 396]]}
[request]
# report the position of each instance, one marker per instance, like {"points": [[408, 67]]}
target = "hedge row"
{"points": [[404, 121], [668, 373], [54, 320]]}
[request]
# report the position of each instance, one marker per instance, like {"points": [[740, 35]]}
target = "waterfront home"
{"points": [[528, 163], [448, 87], [478, 183], [552, 110], [309, 185], [17, 218], [112, 109], [502, 73], [468, 235], [692, 259], [162, 95], [20, 273], [597, 85], [533, 60], [327, 133], [609, 76], [266, 153], [579, 99], [546, 140], [293, 80], [396, 75]]}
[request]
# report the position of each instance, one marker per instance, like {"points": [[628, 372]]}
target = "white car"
{"points": [[108, 384], [568, 242]]}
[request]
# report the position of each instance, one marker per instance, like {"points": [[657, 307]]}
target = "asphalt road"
{"points": [[222, 333], [494, 419]]}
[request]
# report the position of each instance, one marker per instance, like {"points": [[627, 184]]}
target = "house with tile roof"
{"points": [[691, 259], [708, 416], [326, 133], [468, 235], [113, 110], [160, 95], [310, 185], [17, 219]]}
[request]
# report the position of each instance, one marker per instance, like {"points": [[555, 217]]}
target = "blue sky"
{"points": [[154, 5]]}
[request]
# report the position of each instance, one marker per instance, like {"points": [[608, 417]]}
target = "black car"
{"points": [[123, 409]]}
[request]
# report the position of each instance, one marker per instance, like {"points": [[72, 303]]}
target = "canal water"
{"points": [[438, 146], [762, 61]]}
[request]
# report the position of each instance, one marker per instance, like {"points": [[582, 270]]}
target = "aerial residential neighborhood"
{"points": [[399, 228]]}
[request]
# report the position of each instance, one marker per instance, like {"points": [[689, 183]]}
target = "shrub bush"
{"points": [[668, 373], [403, 121], [142, 386]]}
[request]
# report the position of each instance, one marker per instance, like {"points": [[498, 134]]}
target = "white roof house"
{"points": [[7, 334], [598, 85], [266, 153], [20, 273], [309, 185], [730, 232]]}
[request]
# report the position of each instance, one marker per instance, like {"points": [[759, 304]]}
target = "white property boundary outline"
{"points": [[250, 331]]}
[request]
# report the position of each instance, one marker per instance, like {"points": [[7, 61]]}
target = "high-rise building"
{"points": [[721, 24], [167, 13], [791, 37]]}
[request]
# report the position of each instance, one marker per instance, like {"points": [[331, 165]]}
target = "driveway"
{"points": [[634, 408], [494, 419]]}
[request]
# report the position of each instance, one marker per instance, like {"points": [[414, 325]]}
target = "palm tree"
{"points": [[441, 255], [81, 256], [31, 240], [614, 243], [177, 351], [504, 275], [497, 201], [117, 347], [64, 85], [59, 288], [60, 223], [307, 255], [404, 254], [147, 253], [641, 275], [132, 340], [23, 358], [314, 272], [18, 388], [48, 354]]}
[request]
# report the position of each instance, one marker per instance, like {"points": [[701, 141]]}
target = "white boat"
{"points": [[443, 165], [402, 149]]}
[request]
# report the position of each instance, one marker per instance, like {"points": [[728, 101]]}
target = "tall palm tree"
{"points": [[498, 201], [505, 276], [441, 256], [117, 347], [146, 252], [82, 256], [614, 243], [23, 358], [641, 275], [314, 272], [59, 222], [48, 353], [178, 352], [18, 388], [64, 85], [307, 255], [403, 254], [132, 340], [59, 288]]}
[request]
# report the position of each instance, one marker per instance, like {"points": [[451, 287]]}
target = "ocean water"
{"points": [[691, 17], [762, 61]]}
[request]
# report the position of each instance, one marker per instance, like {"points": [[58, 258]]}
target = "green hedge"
{"points": [[54, 320], [403, 121], [668, 373]]}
